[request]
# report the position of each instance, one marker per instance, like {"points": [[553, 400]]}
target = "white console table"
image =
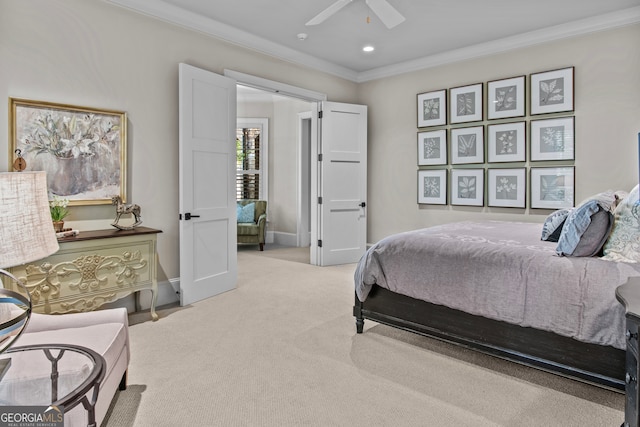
{"points": [[91, 269]]}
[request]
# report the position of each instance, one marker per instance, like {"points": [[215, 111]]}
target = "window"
{"points": [[251, 159]]}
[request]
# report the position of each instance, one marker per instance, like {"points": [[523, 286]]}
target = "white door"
{"points": [[207, 150], [341, 184]]}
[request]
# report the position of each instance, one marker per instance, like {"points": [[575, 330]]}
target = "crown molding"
{"points": [[585, 26], [174, 15]]}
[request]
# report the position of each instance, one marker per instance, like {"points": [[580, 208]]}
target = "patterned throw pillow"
{"points": [[246, 213], [624, 242]]}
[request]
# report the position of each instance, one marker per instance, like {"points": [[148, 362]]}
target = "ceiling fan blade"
{"points": [[387, 13], [322, 16]]}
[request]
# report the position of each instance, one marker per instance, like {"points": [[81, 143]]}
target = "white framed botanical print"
{"points": [[507, 187], [432, 148], [552, 188], [505, 98], [432, 108], [466, 103], [467, 145], [553, 139], [432, 187], [467, 187], [506, 142], [552, 91]]}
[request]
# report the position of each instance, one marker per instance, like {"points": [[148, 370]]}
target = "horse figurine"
{"points": [[121, 208]]}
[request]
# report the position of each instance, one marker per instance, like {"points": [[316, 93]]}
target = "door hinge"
{"points": [[320, 114], [319, 200], [320, 157], [319, 243]]}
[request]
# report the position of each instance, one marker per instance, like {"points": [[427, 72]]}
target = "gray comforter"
{"points": [[503, 271]]}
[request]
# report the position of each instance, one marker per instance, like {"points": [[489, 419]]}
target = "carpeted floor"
{"points": [[285, 253], [281, 350]]}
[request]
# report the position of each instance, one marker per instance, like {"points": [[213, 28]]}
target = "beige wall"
{"points": [[284, 164], [607, 114], [90, 53]]}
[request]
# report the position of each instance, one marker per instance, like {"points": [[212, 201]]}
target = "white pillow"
{"points": [[624, 243]]}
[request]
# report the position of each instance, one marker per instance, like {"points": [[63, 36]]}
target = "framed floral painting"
{"points": [[83, 150]]}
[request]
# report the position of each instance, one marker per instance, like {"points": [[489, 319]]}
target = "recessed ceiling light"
{"points": [[368, 48]]}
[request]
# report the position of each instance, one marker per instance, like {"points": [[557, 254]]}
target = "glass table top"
{"points": [[52, 374]]}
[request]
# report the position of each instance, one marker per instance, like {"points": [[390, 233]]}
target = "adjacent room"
{"points": [[342, 212]]}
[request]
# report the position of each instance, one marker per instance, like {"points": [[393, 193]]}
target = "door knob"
{"points": [[363, 204], [188, 216]]}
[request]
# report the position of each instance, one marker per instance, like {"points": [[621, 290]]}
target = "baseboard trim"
{"points": [[285, 239], [168, 293], [268, 238]]}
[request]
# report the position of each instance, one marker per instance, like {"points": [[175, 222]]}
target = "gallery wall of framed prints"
{"points": [[506, 143]]}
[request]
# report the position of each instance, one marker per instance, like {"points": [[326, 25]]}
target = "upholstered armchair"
{"points": [[252, 221]]}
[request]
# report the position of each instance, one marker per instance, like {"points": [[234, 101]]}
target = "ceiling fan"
{"points": [[387, 13]]}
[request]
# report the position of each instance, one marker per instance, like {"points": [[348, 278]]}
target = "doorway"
{"points": [[289, 166], [344, 128]]}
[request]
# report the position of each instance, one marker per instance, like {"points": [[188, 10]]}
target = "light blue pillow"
{"points": [[552, 227], [246, 213], [587, 226]]}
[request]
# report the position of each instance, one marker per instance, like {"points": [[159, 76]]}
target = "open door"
{"points": [[207, 150], [339, 184]]}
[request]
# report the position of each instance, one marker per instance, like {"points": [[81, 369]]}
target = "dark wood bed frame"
{"points": [[596, 364]]}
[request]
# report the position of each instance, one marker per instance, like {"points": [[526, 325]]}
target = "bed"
{"points": [[496, 287]]}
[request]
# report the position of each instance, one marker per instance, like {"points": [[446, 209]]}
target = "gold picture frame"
{"points": [[82, 149]]}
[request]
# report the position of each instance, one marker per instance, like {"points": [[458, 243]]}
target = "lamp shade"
{"points": [[26, 229]]}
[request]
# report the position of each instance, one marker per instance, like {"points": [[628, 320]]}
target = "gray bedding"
{"points": [[503, 271]]}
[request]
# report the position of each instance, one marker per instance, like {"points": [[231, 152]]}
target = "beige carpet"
{"points": [[281, 350], [286, 253]]}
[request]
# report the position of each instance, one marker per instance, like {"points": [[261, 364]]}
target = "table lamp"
{"points": [[26, 234]]}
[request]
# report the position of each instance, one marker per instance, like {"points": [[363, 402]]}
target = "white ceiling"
{"points": [[434, 32]]}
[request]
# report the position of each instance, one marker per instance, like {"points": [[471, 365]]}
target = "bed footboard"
{"points": [[596, 364]]}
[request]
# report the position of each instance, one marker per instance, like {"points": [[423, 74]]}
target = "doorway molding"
{"points": [[275, 87], [303, 179]]}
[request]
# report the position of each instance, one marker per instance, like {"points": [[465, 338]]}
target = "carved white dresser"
{"points": [[91, 269]]}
